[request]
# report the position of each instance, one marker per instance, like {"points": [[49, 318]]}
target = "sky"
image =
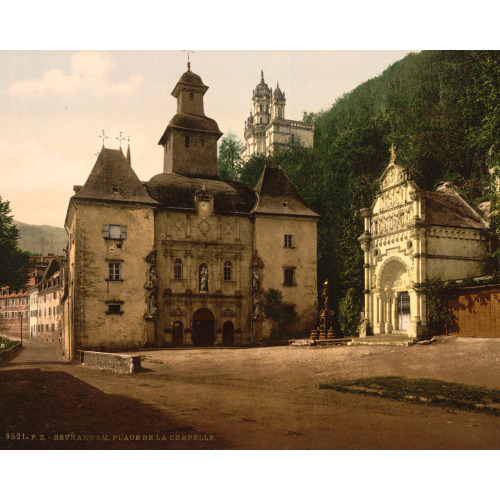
{"points": [[55, 104]]}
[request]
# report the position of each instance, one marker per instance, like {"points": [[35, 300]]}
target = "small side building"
{"points": [[411, 236]]}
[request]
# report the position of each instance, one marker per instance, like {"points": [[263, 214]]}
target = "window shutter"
{"points": [[105, 230], [123, 233]]}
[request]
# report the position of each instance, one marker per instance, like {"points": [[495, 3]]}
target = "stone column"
{"points": [[388, 324], [381, 322]]}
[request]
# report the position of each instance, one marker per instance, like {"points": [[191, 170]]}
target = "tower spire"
{"points": [[261, 76]]}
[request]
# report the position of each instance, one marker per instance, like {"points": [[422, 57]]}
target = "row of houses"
{"points": [[35, 312]]}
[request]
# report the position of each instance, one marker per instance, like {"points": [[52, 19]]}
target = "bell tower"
{"points": [[190, 139]]}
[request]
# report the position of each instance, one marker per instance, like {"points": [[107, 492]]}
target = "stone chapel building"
{"points": [[184, 258], [266, 129], [410, 236]]}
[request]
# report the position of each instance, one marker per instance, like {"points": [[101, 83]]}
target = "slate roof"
{"points": [[442, 209], [278, 196], [178, 191], [191, 123], [112, 170]]}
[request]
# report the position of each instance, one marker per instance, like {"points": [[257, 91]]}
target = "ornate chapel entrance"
{"points": [[403, 311], [203, 328]]}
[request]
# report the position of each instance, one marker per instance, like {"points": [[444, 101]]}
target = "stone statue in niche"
{"points": [[152, 305], [203, 278], [256, 310], [153, 278], [255, 281]]}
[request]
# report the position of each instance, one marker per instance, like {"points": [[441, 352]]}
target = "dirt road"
{"points": [[263, 398]]}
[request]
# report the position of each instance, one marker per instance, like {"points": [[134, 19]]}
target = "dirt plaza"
{"points": [[251, 398]]}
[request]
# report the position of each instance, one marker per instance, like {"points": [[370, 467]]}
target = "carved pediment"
{"points": [[394, 174]]}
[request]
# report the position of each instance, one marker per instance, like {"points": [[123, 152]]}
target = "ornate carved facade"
{"points": [[410, 236]]}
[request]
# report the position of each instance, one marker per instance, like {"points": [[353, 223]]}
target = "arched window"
{"points": [[177, 269], [227, 271]]}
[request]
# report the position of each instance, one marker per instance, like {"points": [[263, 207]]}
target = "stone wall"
{"points": [[117, 363], [269, 244], [94, 326]]}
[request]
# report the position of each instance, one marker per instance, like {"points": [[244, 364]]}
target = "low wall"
{"points": [[10, 353], [118, 363]]}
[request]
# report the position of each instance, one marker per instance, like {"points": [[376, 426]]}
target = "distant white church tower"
{"points": [[266, 129]]}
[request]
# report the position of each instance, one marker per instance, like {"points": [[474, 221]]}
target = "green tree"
{"points": [[229, 162], [14, 263]]}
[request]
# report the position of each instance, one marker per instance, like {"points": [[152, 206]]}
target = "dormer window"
{"points": [[115, 189], [284, 204]]}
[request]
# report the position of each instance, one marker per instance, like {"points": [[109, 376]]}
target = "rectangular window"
{"points": [[288, 241], [114, 308], [114, 232], [115, 271], [288, 276], [186, 141]]}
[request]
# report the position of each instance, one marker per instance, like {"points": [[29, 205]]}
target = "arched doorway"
{"points": [[177, 334], [203, 328], [228, 334], [394, 306]]}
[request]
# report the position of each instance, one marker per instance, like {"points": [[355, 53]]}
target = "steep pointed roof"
{"points": [[278, 196], [113, 179]]}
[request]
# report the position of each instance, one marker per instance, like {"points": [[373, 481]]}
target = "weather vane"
{"points": [[188, 52], [104, 136], [120, 138]]}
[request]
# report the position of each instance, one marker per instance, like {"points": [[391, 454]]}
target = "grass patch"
{"points": [[423, 391], [6, 343]]}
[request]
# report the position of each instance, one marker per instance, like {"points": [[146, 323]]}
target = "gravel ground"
{"points": [[262, 398]]}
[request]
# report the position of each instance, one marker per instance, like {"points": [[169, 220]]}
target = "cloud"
{"points": [[90, 71]]}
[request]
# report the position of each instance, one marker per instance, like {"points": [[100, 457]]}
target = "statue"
{"points": [[152, 305], [255, 281], [203, 278], [324, 330], [152, 277]]}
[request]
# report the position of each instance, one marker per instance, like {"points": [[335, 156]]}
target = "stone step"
{"points": [[384, 339]]}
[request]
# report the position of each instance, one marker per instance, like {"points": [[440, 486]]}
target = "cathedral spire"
{"points": [[261, 76]]}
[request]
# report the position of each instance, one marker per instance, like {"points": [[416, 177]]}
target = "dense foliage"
{"points": [[229, 162], [14, 263], [440, 108]]}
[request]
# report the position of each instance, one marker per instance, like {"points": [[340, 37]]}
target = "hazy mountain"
{"points": [[42, 239]]}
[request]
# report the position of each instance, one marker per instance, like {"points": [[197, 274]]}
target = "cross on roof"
{"points": [[120, 138], [104, 136]]}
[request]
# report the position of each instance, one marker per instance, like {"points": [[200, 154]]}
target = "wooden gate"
{"points": [[476, 313]]}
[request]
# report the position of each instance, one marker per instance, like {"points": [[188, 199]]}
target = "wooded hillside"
{"points": [[440, 108]]}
